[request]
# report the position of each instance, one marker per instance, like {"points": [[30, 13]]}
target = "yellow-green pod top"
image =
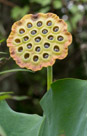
{"points": [[36, 41]]}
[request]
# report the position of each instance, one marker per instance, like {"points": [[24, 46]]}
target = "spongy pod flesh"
{"points": [[36, 41]]}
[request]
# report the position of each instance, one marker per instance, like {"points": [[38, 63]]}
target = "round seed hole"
{"points": [[20, 49], [55, 29], [29, 45], [44, 31], [37, 49], [39, 23], [45, 55], [33, 32], [21, 31], [49, 23], [50, 37], [29, 25], [35, 58], [26, 38], [17, 40], [46, 45], [60, 38], [38, 39], [26, 56], [56, 49]]}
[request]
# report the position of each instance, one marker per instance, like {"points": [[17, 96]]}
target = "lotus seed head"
{"points": [[36, 41]]}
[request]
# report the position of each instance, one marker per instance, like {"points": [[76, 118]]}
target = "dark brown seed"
{"points": [[37, 49], [45, 55], [55, 29], [26, 38], [29, 25], [39, 23], [21, 31], [29, 46], [44, 31], [26, 56], [17, 40], [46, 45], [37, 39], [56, 48], [35, 58], [50, 37], [60, 38], [33, 32], [20, 49], [49, 23]]}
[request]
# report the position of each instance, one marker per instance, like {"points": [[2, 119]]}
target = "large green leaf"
{"points": [[2, 133], [18, 124], [65, 113], [65, 109]]}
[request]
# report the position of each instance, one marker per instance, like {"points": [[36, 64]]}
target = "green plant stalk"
{"points": [[49, 77]]}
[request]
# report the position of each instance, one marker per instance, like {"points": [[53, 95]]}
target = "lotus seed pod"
{"points": [[36, 41]]}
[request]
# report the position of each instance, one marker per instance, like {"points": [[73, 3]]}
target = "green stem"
{"points": [[49, 77]]}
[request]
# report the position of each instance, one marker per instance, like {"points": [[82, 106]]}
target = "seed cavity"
{"points": [[39, 24], [38, 39], [46, 45], [45, 55], [17, 40], [21, 31], [37, 49], [35, 58], [55, 29], [20, 49], [56, 48], [26, 38], [29, 45], [33, 32], [50, 37], [60, 38], [49, 23], [44, 31], [26, 55], [29, 25]]}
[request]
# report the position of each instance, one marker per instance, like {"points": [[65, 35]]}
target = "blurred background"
{"points": [[33, 85]]}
